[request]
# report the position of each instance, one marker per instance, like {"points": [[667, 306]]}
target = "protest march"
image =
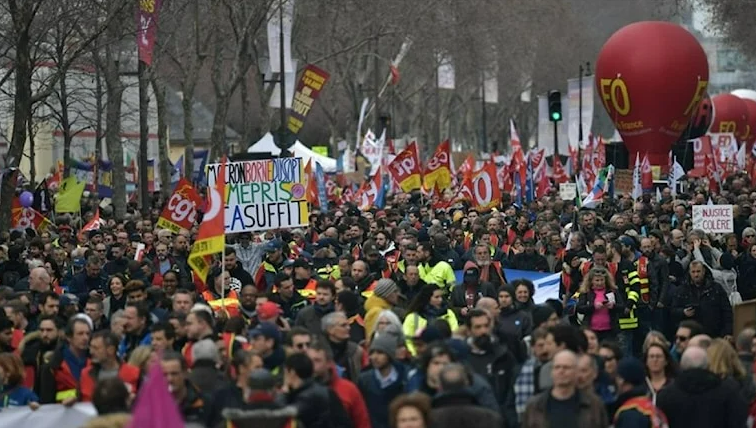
{"points": [[404, 281]]}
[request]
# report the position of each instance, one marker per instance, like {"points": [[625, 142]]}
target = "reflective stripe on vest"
{"points": [[218, 304], [66, 394], [630, 321]]}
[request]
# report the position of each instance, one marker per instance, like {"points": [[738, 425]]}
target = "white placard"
{"points": [[567, 191], [713, 218]]}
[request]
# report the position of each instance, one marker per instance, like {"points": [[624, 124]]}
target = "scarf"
{"points": [[323, 310], [75, 364], [430, 313]]}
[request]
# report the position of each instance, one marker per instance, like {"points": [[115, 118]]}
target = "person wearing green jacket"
{"points": [[427, 306]]}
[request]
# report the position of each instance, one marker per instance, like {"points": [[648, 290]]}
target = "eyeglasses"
{"points": [[750, 236], [682, 338], [612, 358], [303, 345]]}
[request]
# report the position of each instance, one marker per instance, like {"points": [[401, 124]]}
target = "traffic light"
{"points": [[555, 106]]}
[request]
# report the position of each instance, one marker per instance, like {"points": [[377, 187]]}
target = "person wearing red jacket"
{"points": [[59, 379], [103, 349], [324, 370]]}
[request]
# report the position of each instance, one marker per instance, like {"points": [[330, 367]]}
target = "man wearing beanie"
{"points": [[634, 408], [383, 382], [385, 295]]}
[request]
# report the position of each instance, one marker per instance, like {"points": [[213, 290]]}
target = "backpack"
{"points": [[647, 407], [10, 278]]}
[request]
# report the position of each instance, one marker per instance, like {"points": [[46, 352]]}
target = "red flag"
{"points": [[536, 156], [647, 177], [485, 188], [405, 169], [93, 224], [312, 184], [211, 235], [467, 167], [438, 169], [518, 156], [574, 158], [394, 74], [559, 175], [25, 218], [541, 179], [371, 192], [180, 211], [587, 168]]}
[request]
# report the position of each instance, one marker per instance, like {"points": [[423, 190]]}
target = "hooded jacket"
{"points": [[699, 398]]}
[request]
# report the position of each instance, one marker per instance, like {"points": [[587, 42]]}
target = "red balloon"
{"points": [[645, 89], [750, 137], [732, 116]]}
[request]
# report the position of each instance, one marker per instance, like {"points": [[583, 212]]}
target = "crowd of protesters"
{"points": [[360, 321]]}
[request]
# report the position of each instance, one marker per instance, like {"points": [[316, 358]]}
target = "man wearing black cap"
{"points": [[266, 340], [377, 265], [270, 266], [466, 296], [633, 406], [304, 282]]}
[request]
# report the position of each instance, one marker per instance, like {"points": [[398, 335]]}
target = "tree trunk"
{"points": [[32, 155], [162, 131], [114, 88], [246, 108], [186, 104], [98, 118], [65, 124], [218, 136], [21, 15]]}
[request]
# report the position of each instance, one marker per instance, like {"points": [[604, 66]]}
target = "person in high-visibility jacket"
{"points": [[427, 306], [304, 282], [434, 271], [220, 297], [59, 379]]}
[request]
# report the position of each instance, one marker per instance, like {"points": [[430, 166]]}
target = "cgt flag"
{"points": [[211, 237], [438, 171], [181, 210], [405, 169]]}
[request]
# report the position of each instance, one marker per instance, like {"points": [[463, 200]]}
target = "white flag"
{"points": [[675, 175], [491, 87], [274, 35], [445, 72], [637, 189], [741, 157]]}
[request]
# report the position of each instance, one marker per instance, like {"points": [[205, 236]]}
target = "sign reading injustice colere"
{"points": [[263, 194], [713, 218]]}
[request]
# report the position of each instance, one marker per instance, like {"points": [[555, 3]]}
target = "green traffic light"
{"points": [[556, 116]]}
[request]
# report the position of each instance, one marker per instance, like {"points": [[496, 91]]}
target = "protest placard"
{"points": [[263, 194], [567, 191], [713, 218]]}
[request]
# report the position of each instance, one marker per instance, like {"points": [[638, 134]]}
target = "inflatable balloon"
{"points": [[749, 96], [27, 199], [701, 122], [649, 96], [732, 116]]}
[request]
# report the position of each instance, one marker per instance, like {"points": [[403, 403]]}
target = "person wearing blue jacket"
{"points": [[383, 382], [12, 392], [136, 329]]}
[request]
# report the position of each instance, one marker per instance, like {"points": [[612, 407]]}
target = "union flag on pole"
{"points": [[558, 173], [485, 188], [467, 167], [371, 193], [180, 211], [647, 177], [518, 165], [93, 224], [24, 218], [211, 237], [438, 171], [405, 168]]}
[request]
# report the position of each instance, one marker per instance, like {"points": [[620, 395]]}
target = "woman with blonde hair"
{"points": [[655, 337], [725, 363], [141, 358], [601, 303]]}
